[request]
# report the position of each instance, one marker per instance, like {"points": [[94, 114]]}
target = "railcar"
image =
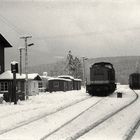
{"points": [[71, 78], [75, 83], [134, 81], [102, 79], [58, 84]]}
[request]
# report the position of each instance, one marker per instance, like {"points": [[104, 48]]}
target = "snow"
{"points": [[121, 124], [66, 76], [33, 76], [60, 79], [137, 135], [40, 105], [77, 80], [9, 75], [14, 62]]}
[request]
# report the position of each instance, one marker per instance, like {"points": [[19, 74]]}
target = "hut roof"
{"points": [[34, 76], [3, 42], [8, 75], [45, 77]]}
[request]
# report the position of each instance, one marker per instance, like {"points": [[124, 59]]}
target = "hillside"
{"points": [[124, 66]]}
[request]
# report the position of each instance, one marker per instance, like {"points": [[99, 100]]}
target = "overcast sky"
{"points": [[91, 28]]}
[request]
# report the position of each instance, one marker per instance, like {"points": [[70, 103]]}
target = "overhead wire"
{"points": [[10, 25]]}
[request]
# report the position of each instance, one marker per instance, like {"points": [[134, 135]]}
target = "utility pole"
{"points": [[20, 52], [26, 65]]}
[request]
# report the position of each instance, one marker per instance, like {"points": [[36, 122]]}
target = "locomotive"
{"points": [[134, 81], [102, 79]]}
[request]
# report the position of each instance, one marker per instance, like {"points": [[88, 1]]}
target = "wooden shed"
{"points": [[6, 86], [33, 82], [43, 84], [3, 44]]}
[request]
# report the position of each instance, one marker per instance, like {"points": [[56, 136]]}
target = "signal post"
{"points": [[14, 70]]}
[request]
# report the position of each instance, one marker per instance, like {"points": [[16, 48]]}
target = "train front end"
{"points": [[102, 79]]}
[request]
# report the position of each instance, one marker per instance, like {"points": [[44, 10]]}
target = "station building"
{"points": [[3, 44]]}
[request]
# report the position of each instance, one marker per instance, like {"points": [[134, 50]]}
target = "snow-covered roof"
{"points": [[33, 76], [45, 77], [14, 62], [8, 75], [66, 76], [63, 79], [77, 80]]}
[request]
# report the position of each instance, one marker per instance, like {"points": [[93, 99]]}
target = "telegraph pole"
{"points": [[26, 65], [20, 51]]}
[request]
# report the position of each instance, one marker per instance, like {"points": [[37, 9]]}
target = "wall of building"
{"points": [[2, 68]]}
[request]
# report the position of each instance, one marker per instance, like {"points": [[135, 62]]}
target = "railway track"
{"points": [[33, 119], [91, 126], [132, 131], [17, 112], [93, 105], [66, 123]]}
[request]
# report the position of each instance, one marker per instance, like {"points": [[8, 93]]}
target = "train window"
{"points": [[98, 73], [56, 84], [108, 66]]}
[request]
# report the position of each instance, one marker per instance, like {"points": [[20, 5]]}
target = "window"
{"points": [[3, 86], [56, 84], [98, 72], [34, 84], [18, 87], [40, 85], [109, 66]]}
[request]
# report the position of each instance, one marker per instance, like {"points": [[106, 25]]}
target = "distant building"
{"points": [[3, 44], [6, 85], [43, 84], [33, 83]]}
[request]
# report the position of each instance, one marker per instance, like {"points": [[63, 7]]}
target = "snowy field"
{"points": [[14, 116]]}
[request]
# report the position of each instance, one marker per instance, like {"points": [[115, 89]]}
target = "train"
{"points": [[64, 83], [134, 81], [102, 79]]}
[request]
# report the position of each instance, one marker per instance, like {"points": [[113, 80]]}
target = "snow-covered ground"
{"points": [[36, 106], [13, 116]]}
